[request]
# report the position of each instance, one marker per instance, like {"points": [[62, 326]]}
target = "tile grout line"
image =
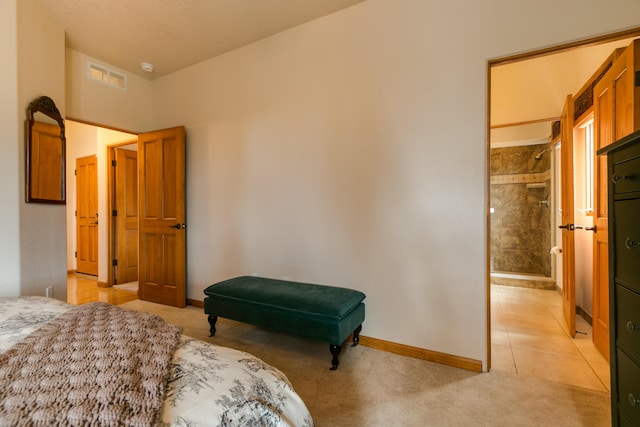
{"points": [[550, 308]]}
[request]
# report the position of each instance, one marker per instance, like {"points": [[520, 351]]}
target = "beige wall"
{"points": [[527, 134], [95, 102], [351, 151], [10, 177], [41, 71], [527, 90], [532, 85]]}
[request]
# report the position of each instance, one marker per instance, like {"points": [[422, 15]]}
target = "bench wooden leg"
{"points": [[335, 352], [356, 336], [212, 322], [335, 349]]}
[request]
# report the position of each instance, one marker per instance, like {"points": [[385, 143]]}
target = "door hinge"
{"points": [[75, 254], [75, 171], [75, 213], [113, 163], [114, 212], [637, 78], [114, 262]]}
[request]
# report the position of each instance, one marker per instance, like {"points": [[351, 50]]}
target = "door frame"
{"points": [[634, 32], [111, 203]]}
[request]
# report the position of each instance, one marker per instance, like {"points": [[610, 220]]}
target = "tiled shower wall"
{"points": [[520, 199]]}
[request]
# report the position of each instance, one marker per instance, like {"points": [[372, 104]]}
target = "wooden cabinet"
{"points": [[623, 165]]}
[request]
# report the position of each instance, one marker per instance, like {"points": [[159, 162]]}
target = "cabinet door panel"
{"points": [[628, 320], [628, 385], [627, 234], [626, 177]]}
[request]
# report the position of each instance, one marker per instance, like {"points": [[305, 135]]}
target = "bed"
{"points": [[206, 384]]}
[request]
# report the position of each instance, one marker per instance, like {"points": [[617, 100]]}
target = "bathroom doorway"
{"points": [[527, 94], [522, 205]]}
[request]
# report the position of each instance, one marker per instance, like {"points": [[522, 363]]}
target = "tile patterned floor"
{"points": [[529, 338]]}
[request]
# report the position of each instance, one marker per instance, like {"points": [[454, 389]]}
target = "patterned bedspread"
{"points": [[208, 385]]}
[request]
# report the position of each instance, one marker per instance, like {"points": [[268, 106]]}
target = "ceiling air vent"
{"points": [[106, 76]]}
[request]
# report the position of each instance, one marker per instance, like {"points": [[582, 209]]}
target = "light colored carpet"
{"points": [[376, 388]]}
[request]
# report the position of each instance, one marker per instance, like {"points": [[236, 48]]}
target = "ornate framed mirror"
{"points": [[45, 153]]}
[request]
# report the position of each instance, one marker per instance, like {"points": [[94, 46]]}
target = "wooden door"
{"points": [[161, 213], [87, 215], [568, 237], [126, 215], [616, 114], [603, 116]]}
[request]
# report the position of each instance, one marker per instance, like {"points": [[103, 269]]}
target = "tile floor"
{"points": [[529, 337]]}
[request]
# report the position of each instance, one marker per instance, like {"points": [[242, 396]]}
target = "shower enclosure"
{"points": [[521, 216]]}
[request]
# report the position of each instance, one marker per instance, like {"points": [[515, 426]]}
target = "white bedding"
{"points": [[208, 385]]}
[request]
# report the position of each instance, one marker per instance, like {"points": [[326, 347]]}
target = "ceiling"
{"points": [[173, 34]]}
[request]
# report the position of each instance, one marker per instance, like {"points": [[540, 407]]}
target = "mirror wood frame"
{"points": [[45, 156]]}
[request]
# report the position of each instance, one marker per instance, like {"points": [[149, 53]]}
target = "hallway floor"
{"points": [[529, 338], [82, 289]]}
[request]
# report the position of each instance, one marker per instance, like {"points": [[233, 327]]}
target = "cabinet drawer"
{"points": [[625, 420], [627, 244], [626, 176], [628, 320], [628, 385]]}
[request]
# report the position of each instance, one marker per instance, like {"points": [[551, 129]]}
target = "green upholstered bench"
{"points": [[321, 312]]}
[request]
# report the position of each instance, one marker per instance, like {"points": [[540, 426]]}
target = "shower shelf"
{"points": [[536, 185]]}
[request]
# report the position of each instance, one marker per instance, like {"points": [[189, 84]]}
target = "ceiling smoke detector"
{"points": [[147, 67]]}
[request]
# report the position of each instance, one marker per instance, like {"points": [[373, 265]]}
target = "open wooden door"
{"points": [[87, 215], [161, 213], [568, 237], [126, 215], [616, 98], [603, 99]]}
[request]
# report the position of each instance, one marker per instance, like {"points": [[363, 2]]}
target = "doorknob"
{"points": [[569, 227], [591, 228], [178, 226], [629, 243], [617, 178]]}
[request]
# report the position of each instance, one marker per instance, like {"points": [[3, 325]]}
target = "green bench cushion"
{"points": [[323, 312]]}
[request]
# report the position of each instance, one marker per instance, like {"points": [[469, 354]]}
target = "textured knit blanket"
{"points": [[94, 365]]}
